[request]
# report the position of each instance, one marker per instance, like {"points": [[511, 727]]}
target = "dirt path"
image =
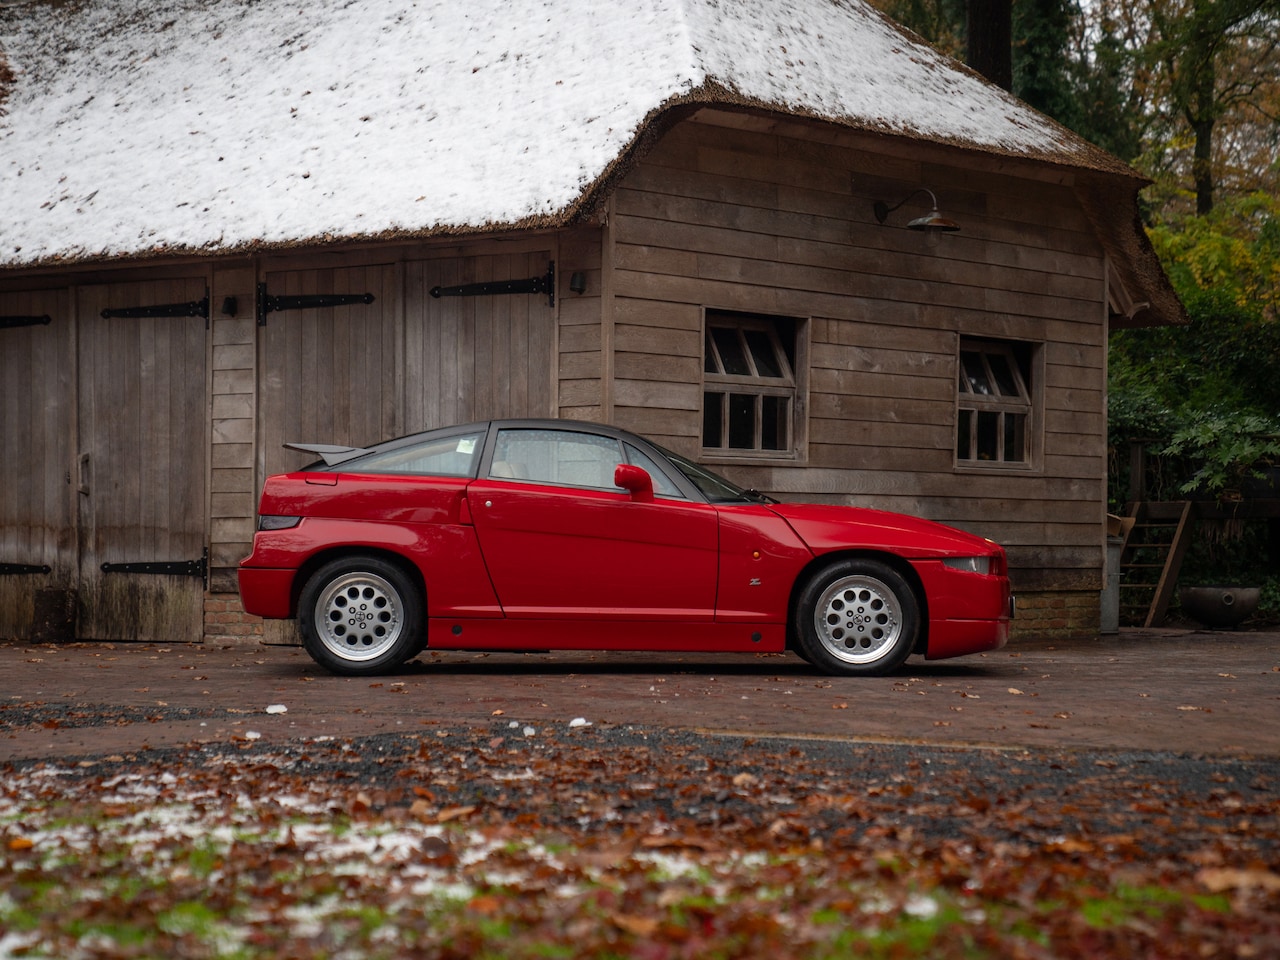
{"points": [[1194, 692]]}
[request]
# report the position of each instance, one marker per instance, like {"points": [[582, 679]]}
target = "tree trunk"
{"points": [[990, 40], [1202, 121]]}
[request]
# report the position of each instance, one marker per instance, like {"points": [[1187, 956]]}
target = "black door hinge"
{"points": [[544, 284], [18, 321], [192, 308], [15, 569], [269, 303], [172, 568]]}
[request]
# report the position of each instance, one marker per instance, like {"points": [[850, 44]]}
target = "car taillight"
{"points": [[277, 523]]}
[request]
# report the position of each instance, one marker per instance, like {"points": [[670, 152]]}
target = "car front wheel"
{"points": [[857, 617], [360, 616]]}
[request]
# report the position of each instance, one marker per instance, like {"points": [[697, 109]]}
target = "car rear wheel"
{"points": [[857, 617], [360, 616]]}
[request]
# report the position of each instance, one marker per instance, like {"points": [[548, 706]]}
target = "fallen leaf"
{"points": [[637, 926], [455, 813], [18, 844], [420, 810], [1070, 845], [1222, 879], [684, 841], [1015, 691], [486, 904]]}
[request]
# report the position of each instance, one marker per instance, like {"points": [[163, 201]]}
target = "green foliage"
{"points": [[1227, 446], [1204, 398], [1042, 70], [1229, 256]]}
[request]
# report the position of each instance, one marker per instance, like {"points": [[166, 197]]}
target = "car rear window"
{"points": [[439, 457]]}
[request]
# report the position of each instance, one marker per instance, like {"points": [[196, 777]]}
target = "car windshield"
{"points": [[713, 486]]}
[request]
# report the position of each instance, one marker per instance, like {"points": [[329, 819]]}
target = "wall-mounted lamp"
{"points": [[932, 223], [578, 282]]}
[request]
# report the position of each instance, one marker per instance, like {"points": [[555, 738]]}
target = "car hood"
{"points": [[824, 528]]}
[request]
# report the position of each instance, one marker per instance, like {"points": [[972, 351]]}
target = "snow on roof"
{"points": [[135, 127]]}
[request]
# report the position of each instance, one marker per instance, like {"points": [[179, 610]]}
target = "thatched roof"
{"points": [[134, 128]]}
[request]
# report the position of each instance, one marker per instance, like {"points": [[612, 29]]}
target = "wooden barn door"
{"points": [[141, 466], [326, 374], [38, 551], [476, 357]]}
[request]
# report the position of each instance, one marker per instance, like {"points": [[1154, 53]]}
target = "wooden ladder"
{"points": [[1151, 558]]}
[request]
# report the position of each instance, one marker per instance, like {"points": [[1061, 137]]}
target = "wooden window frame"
{"points": [[754, 385], [972, 407]]}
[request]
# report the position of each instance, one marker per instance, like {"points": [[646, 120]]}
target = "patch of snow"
{"points": [[189, 125]]}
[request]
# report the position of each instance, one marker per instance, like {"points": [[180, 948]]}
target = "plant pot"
{"points": [[1219, 606]]}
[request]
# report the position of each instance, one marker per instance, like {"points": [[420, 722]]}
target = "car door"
{"points": [[560, 540]]}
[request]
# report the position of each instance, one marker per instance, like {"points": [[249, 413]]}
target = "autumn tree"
{"points": [[1217, 66]]}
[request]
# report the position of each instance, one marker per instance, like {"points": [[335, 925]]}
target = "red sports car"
{"points": [[551, 534]]}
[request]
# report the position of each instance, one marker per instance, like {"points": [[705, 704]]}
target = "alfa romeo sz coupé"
{"points": [[553, 534]]}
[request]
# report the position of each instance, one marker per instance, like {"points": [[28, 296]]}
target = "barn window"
{"points": [[993, 424], [749, 383]]}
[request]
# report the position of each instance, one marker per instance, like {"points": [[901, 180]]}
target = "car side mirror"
{"points": [[637, 480]]}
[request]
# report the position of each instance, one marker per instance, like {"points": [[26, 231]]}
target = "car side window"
{"points": [[440, 457], [661, 485], [561, 457]]}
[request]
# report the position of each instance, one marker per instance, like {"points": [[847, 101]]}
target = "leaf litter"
{"points": [[628, 842]]}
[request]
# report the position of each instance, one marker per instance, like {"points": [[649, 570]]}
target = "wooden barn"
{"points": [[783, 237]]}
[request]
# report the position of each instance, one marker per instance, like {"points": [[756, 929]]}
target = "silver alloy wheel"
{"points": [[858, 619], [359, 615]]}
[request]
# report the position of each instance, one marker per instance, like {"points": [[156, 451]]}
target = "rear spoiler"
{"points": [[332, 455]]}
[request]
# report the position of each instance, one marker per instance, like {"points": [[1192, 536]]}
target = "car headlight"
{"points": [[278, 523], [969, 564]]}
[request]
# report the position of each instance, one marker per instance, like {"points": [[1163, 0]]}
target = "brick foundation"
{"points": [[1056, 615], [225, 621]]}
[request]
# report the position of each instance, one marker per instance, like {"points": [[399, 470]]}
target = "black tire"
{"points": [[856, 617], [360, 616]]}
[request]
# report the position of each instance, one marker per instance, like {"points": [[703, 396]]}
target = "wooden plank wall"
{"points": [[741, 212], [580, 354], [143, 440], [232, 497], [38, 427], [477, 357], [328, 374]]}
